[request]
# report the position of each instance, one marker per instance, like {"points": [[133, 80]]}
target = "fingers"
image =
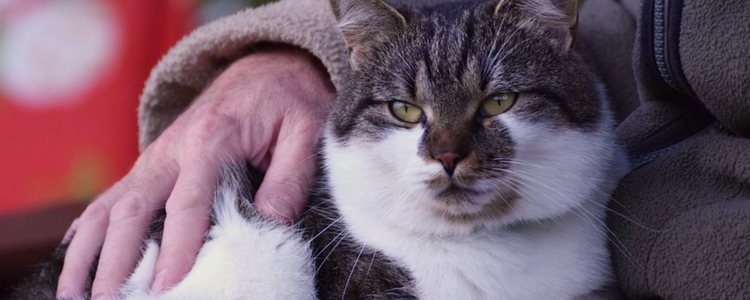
{"points": [[70, 232], [188, 212], [128, 221], [90, 229], [283, 193]]}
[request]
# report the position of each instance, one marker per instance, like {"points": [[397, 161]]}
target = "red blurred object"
{"points": [[77, 141]]}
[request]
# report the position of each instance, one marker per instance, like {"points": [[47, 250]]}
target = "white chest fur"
{"points": [[560, 260]]}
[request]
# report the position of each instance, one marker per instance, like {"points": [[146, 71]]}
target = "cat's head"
{"points": [[463, 115]]}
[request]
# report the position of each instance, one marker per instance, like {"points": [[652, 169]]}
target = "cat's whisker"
{"points": [[629, 219], [511, 51], [332, 250], [485, 72], [315, 208], [523, 163], [369, 267], [354, 267], [596, 188], [329, 244], [510, 37], [616, 241], [508, 159], [326, 228], [403, 199]]}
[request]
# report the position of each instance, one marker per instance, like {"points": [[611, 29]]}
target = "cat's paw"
{"points": [[254, 260], [244, 258]]}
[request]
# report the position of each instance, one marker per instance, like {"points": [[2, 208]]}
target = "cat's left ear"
{"points": [[557, 18], [364, 24], [570, 27]]}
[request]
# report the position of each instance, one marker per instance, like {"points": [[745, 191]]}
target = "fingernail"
{"points": [[102, 297], [71, 231], [67, 295], [283, 209], [158, 285]]}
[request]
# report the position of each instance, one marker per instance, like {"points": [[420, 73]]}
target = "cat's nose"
{"points": [[449, 160]]}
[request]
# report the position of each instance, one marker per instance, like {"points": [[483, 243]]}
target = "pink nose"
{"points": [[449, 160]]}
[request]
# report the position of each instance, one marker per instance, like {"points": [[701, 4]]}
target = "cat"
{"points": [[470, 156]]}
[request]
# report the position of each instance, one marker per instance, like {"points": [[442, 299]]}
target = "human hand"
{"points": [[267, 108]]}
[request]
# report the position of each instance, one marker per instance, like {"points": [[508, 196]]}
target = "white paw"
{"points": [[242, 260]]}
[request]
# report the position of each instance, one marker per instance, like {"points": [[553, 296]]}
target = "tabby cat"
{"points": [[470, 156]]}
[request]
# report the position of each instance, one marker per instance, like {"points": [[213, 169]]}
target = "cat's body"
{"points": [[470, 157]]}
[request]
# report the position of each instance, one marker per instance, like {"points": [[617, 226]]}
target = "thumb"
{"points": [[283, 193]]}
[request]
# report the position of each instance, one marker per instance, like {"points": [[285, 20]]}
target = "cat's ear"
{"points": [[569, 27], [557, 18], [364, 24]]}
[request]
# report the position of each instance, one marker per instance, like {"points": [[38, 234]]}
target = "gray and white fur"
{"points": [[458, 204]]}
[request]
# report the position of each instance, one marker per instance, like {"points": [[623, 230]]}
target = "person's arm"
{"points": [[266, 107]]}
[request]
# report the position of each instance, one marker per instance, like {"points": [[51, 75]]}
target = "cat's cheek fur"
{"points": [[242, 258], [385, 180], [563, 169]]}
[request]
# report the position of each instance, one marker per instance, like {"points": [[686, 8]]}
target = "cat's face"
{"points": [[464, 115]]}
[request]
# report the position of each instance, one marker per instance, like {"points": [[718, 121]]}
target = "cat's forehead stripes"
{"points": [[467, 56], [451, 56], [447, 79]]}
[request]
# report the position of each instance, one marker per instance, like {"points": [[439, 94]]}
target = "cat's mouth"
{"points": [[456, 183], [455, 197], [456, 191], [452, 189], [466, 205], [460, 200]]}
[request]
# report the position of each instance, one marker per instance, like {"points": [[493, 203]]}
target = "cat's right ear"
{"points": [[556, 19], [364, 24]]}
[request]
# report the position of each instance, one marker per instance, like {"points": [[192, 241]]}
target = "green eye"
{"points": [[497, 104], [405, 111]]}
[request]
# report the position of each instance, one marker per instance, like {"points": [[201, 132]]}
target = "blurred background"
{"points": [[71, 72]]}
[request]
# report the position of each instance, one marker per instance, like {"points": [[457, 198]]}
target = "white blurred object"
{"points": [[50, 54]]}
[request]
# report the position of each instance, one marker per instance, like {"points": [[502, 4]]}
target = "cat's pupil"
{"points": [[405, 112]]}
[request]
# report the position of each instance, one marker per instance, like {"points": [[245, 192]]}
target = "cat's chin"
{"points": [[463, 206]]}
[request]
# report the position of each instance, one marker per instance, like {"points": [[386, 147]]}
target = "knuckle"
{"points": [[210, 136], [132, 204], [143, 177], [208, 125], [294, 185], [192, 199], [307, 122], [96, 214], [145, 162], [178, 255], [169, 134], [162, 146], [311, 128]]}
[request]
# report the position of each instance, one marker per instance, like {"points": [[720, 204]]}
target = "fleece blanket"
{"points": [[681, 219]]}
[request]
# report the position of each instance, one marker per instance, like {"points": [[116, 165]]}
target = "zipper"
{"points": [[661, 37], [667, 22]]}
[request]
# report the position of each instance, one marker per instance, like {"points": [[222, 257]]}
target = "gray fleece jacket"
{"points": [[678, 74]]}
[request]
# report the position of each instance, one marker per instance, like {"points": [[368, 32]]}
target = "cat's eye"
{"points": [[405, 112], [497, 104]]}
